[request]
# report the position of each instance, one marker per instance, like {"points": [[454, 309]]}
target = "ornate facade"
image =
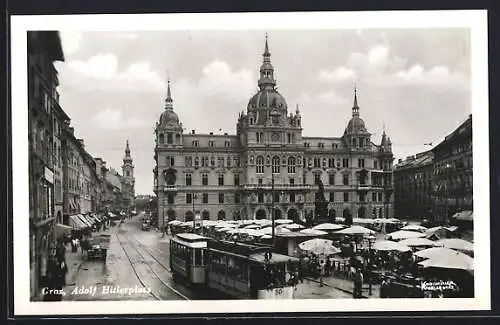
{"points": [[268, 165]]}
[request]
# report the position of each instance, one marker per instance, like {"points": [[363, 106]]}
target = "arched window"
{"points": [[260, 165], [161, 138], [169, 138], [291, 165], [276, 165]]}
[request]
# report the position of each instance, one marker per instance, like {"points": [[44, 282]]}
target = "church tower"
{"points": [[128, 184]]}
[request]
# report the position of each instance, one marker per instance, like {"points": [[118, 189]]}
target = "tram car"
{"points": [[238, 270], [186, 257]]}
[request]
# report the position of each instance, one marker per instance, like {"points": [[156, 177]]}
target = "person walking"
{"points": [[358, 284]]}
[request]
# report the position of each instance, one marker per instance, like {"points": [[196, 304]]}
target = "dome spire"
{"points": [[127, 158], [266, 69], [355, 107], [168, 100]]}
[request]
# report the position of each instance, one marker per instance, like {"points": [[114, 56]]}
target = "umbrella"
{"points": [[387, 245], [269, 230], [418, 242], [327, 226], [456, 244], [313, 232], [263, 222], [319, 246], [252, 226], [293, 226], [283, 221], [363, 220], [174, 222], [449, 259], [414, 228], [356, 230], [252, 232], [403, 234], [266, 237], [434, 252]]}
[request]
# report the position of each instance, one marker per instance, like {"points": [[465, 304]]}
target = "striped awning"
{"points": [[76, 222], [84, 220]]}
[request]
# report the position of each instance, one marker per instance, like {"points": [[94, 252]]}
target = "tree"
{"points": [[320, 204]]}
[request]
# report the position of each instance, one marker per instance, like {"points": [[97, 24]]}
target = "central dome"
{"points": [[356, 125], [267, 99], [169, 117]]}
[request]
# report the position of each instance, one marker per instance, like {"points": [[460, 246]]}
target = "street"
{"points": [[137, 268]]}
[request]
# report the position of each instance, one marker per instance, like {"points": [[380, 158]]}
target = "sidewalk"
{"points": [[347, 286]]}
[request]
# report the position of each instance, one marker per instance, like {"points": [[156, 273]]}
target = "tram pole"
{"points": [[272, 210]]}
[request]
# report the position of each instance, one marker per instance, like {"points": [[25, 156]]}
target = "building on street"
{"points": [[453, 172], [268, 165], [44, 48], [413, 185]]}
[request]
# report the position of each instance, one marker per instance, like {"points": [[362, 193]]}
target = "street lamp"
{"points": [[194, 197], [371, 241]]}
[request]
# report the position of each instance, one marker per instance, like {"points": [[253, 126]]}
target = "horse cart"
{"points": [[98, 247]]}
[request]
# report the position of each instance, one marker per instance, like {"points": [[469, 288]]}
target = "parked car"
{"points": [[98, 247], [146, 225]]}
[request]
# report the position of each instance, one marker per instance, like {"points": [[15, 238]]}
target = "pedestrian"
{"points": [[358, 284]]}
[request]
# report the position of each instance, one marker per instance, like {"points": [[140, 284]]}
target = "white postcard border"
{"points": [[475, 20]]}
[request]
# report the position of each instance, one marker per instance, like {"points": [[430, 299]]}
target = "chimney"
{"points": [[192, 132], [225, 133]]}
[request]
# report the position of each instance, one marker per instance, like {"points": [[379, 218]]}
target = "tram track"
{"points": [[141, 260]]}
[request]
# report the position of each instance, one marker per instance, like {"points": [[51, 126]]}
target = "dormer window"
{"points": [[211, 143], [227, 144], [195, 143], [170, 138]]}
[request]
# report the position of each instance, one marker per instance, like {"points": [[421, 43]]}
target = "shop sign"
{"points": [[49, 175]]}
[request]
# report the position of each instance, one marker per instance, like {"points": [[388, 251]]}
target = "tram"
{"points": [[238, 270], [186, 257]]}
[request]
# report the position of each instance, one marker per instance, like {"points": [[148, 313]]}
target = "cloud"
{"points": [[218, 79], [378, 68], [70, 41], [337, 74], [112, 119], [101, 72]]}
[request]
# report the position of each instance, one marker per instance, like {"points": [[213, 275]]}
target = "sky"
{"points": [[415, 82]]}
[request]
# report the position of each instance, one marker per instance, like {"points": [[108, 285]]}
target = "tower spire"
{"points": [[355, 107], [266, 69], [168, 100]]}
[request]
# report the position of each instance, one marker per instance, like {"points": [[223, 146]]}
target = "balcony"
{"points": [[277, 187], [364, 187], [165, 188]]}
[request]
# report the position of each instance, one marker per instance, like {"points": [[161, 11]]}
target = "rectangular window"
{"points": [[205, 198], [188, 180], [317, 179], [380, 196], [346, 197], [260, 181], [331, 179], [292, 197], [221, 197], [374, 197], [332, 196], [345, 163], [375, 164], [276, 197], [204, 179], [237, 198], [236, 179], [362, 197], [170, 198], [345, 179], [317, 163], [170, 138], [292, 181], [361, 163], [189, 198], [221, 180], [260, 198]]}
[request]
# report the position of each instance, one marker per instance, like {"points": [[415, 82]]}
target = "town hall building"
{"points": [[268, 166]]}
